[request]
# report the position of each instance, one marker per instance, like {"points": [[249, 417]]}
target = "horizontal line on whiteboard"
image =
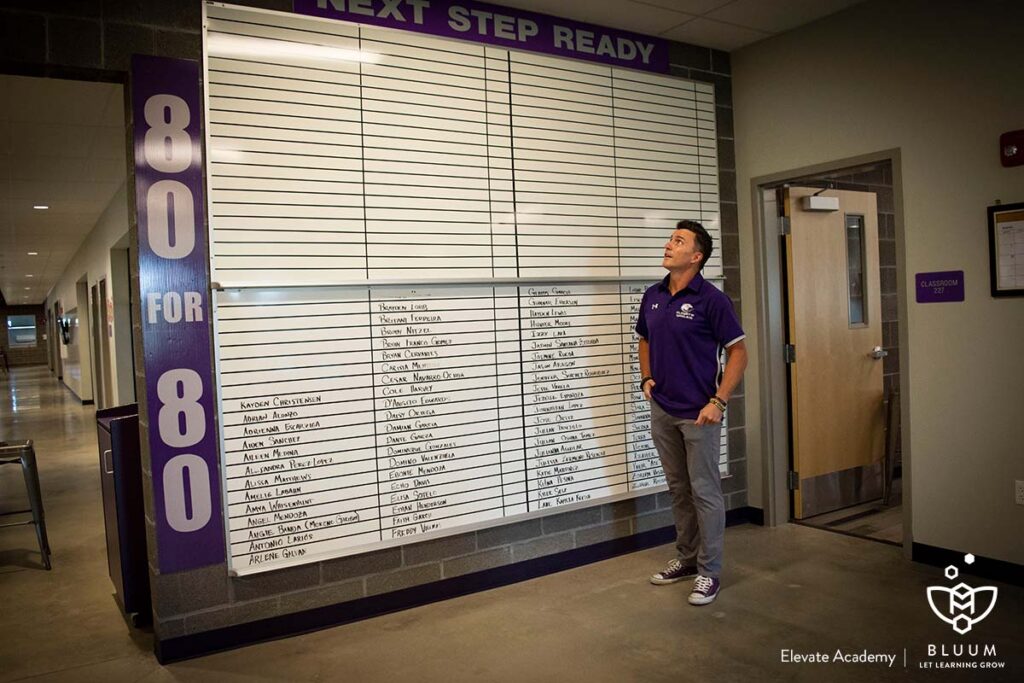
{"points": [[217, 190], [270, 101], [618, 391], [452, 257], [310, 168], [374, 373], [214, 70], [482, 87], [483, 145], [354, 400], [518, 60], [685, 96], [368, 282], [243, 22], [491, 354], [263, 62], [418, 267], [290, 116], [363, 158], [620, 333]]}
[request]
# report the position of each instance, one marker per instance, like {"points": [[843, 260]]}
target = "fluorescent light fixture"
{"points": [[41, 207], [28, 288], [221, 45], [33, 253], [30, 275]]}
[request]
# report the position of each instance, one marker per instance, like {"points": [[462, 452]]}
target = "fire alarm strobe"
{"points": [[1011, 148]]}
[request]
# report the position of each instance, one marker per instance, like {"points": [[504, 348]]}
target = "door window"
{"points": [[855, 269]]}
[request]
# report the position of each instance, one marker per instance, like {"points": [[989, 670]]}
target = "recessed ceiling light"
{"points": [[33, 253], [41, 207], [28, 288]]}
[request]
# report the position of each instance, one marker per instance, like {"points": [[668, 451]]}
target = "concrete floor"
{"points": [[791, 587]]}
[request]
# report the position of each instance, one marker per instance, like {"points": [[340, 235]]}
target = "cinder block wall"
{"points": [[94, 39]]}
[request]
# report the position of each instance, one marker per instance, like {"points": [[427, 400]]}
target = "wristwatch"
{"points": [[644, 381]]}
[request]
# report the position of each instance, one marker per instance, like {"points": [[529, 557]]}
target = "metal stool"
{"points": [[25, 455]]}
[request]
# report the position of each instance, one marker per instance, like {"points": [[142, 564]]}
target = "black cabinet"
{"points": [[123, 509]]}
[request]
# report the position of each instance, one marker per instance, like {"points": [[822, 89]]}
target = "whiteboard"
{"points": [[431, 254]]}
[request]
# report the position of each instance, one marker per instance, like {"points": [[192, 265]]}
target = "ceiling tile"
{"points": [[50, 139], [694, 7], [108, 142], [777, 16], [34, 99], [714, 34]]}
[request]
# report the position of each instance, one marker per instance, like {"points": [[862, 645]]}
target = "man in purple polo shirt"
{"points": [[684, 322]]}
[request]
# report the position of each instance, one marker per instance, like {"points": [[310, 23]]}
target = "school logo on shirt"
{"points": [[685, 311], [654, 307]]}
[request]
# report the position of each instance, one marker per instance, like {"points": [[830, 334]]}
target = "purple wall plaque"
{"points": [[947, 285], [175, 290], [502, 27]]}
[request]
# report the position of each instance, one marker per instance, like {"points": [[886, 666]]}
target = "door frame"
{"points": [[105, 325], [772, 371], [96, 347]]}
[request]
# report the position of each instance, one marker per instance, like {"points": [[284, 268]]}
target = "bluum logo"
{"points": [[959, 604]]}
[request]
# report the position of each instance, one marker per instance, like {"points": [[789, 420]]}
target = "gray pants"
{"points": [[689, 456]]}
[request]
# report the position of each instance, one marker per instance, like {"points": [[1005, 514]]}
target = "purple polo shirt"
{"points": [[686, 334]]}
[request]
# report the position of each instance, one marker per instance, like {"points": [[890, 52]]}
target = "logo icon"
{"points": [[654, 306], [685, 311], [960, 606]]}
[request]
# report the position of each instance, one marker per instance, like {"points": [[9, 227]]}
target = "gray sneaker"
{"points": [[675, 571]]}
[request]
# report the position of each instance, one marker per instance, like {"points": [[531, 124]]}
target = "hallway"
{"points": [[790, 587]]}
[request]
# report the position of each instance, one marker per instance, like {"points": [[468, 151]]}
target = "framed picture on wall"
{"points": [[1006, 249]]}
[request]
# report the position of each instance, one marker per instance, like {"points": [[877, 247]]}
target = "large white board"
{"points": [[430, 256]]}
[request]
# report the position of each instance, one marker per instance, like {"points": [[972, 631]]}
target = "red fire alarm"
{"points": [[1011, 148]]}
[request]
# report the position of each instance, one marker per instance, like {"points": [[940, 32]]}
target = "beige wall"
{"points": [[940, 82], [93, 262]]}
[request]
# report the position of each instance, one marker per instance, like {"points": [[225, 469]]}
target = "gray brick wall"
{"points": [[95, 39]]}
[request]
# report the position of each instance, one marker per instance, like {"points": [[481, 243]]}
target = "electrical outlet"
{"points": [[1018, 492]]}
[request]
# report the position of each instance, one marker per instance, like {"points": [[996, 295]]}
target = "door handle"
{"points": [[878, 353], [107, 469]]}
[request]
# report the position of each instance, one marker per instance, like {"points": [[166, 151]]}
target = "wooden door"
{"points": [[835, 328]]}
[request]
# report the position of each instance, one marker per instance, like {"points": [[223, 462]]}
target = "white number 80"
{"points": [[168, 146]]}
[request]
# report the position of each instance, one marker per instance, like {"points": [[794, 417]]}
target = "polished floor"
{"points": [[787, 588], [873, 520]]}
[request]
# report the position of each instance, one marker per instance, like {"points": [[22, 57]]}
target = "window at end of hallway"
{"points": [[21, 331]]}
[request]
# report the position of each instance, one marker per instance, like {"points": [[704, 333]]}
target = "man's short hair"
{"points": [[702, 237]]}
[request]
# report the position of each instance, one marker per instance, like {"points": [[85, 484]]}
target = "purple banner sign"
{"points": [[175, 312], [500, 26], [947, 285]]}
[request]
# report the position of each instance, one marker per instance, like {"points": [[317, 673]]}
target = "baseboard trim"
{"points": [[207, 642], [985, 567]]}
